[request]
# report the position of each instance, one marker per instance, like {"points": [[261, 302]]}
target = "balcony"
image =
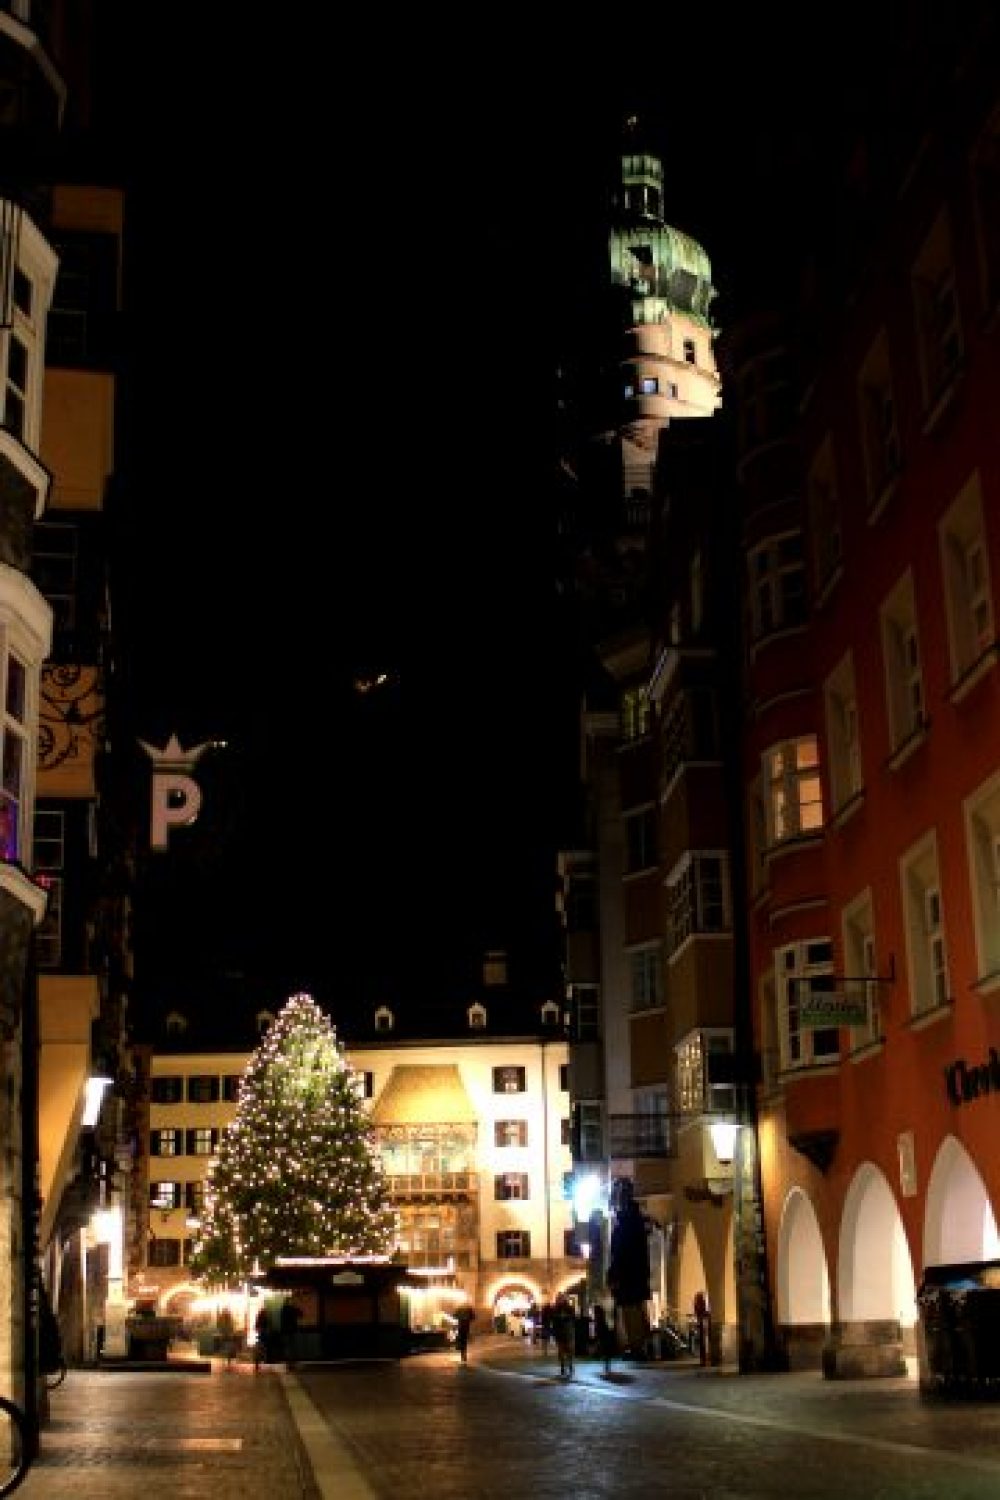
{"points": [[433, 1186]]}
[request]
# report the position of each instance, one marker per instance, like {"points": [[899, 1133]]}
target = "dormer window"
{"points": [[477, 1017], [384, 1019], [176, 1023], [550, 1014], [264, 1019]]}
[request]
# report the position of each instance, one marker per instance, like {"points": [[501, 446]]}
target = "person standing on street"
{"points": [[604, 1336], [703, 1318], [463, 1320], [564, 1328]]}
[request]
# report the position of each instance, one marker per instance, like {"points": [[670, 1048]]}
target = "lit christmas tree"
{"points": [[297, 1171]]}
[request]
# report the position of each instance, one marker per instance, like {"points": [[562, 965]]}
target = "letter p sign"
{"points": [[175, 797]]}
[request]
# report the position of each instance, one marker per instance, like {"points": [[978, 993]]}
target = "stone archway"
{"points": [[876, 1295], [959, 1223], [802, 1282]]}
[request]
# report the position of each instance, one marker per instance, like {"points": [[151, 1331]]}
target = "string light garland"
{"points": [[298, 1172]]}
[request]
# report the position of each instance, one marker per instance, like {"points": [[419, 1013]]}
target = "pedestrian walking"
{"points": [[703, 1318], [262, 1329], [463, 1325], [564, 1328], [604, 1337]]}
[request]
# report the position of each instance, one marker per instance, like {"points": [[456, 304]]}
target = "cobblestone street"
{"points": [[505, 1426]]}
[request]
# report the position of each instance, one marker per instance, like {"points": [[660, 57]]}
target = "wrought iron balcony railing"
{"points": [[641, 1135]]}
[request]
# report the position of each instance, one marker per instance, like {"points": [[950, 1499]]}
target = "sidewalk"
{"points": [[229, 1434], [887, 1413]]}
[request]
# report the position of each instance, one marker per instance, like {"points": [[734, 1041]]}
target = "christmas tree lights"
{"points": [[298, 1172]]}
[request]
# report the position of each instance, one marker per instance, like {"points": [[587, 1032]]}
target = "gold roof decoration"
{"points": [[419, 1094]]}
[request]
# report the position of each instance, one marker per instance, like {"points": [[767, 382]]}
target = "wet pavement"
{"points": [[507, 1426]]}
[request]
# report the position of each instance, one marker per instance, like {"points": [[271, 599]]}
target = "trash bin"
{"points": [[959, 1347]]}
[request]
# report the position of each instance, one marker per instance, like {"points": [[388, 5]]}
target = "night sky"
{"points": [[350, 266]]}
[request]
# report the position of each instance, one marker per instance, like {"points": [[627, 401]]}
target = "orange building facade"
{"points": [[869, 481]]}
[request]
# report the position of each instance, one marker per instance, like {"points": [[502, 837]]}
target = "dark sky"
{"points": [[351, 260]]}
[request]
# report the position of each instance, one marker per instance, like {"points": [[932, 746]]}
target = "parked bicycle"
{"points": [[14, 1453]]}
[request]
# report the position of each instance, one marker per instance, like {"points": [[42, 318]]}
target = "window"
{"points": [[777, 584], [510, 1133], [202, 1142], [565, 1131], [636, 713], [965, 567], [48, 935], [901, 655], [264, 1019], [640, 840], [164, 1142], [690, 731], [202, 1088], [16, 388], [54, 568], [861, 966], [588, 1131], [164, 1252], [564, 1078], [690, 352], [644, 977], [17, 758], [513, 1244], [939, 333], [231, 1087], [365, 1082], [650, 386], [651, 1126], [766, 406], [571, 1246], [508, 1081], [48, 860], [757, 836], [384, 1019], [510, 1185], [842, 733], [703, 1064], [805, 969], [795, 799], [584, 1012], [982, 832], [85, 295], [166, 1090], [164, 1196], [923, 916], [581, 901], [477, 1017], [697, 897], [824, 515], [194, 1198], [879, 431]]}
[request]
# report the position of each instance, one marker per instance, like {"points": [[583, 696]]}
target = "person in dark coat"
{"points": [[628, 1269], [564, 1328], [262, 1328], [464, 1317]]}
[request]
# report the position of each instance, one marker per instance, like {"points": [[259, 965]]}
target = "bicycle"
{"points": [[14, 1452]]}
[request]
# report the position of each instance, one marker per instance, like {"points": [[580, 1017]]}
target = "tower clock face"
{"points": [[70, 717]]}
